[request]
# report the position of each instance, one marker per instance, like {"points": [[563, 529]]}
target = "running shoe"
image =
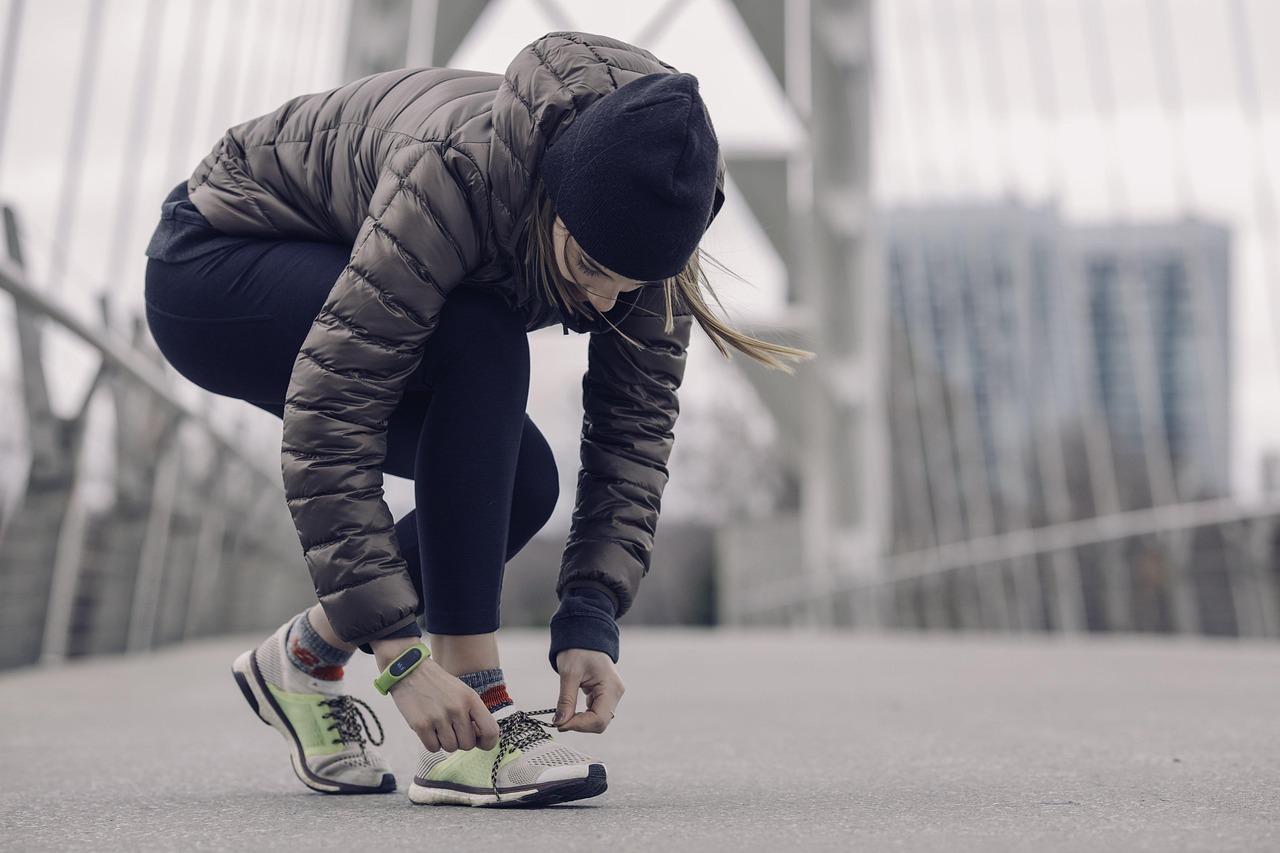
{"points": [[526, 768], [327, 732]]}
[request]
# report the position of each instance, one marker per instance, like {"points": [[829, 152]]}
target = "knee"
{"points": [[537, 489], [542, 495]]}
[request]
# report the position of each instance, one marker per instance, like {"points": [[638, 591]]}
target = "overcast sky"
{"points": [[1123, 109]]}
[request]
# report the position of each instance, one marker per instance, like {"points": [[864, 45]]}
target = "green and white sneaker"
{"points": [[325, 728], [526, 768]]}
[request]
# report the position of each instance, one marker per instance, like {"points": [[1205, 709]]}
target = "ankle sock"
{"points": [[491, 684], [309, 652]]}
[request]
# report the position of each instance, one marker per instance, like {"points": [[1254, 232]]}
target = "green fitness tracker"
{"points": [[405, 663]]}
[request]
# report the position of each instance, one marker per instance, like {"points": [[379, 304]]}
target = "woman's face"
{"points": [[598, 286]]}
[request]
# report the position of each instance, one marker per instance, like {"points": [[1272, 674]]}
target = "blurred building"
{"points": [[1041, 373], [1159, 304]]}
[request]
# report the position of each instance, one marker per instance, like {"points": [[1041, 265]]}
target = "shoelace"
{"points": [[349, 721], [518, 731]]}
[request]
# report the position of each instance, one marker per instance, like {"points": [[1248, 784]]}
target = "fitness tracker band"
{"points": [[405, 663]]}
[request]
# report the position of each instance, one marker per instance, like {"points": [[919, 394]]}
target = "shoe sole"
{"points": [[593, 784], [254, 687]]}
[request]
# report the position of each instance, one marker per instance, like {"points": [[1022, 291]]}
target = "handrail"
{"points": [[119, 356], [1031, 542]]}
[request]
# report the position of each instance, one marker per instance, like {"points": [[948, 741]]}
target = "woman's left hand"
{"points": [[595, 675]]}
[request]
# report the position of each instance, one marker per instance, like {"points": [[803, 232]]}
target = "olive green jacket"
{"points": [[429, 174]]}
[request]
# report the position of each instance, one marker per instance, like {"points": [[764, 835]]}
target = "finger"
{"points": [[464, 733], [486, 728], [448, 741], [591, 722], [604, 704], [601, 704], [430, 741], [568, 701]]}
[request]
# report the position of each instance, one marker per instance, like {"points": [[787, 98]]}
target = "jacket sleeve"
{"points": [[418, 242], [630, 408]]}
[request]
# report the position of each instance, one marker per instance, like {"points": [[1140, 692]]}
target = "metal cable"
{"points": [[990, 68], [1209, 331], [948, 63], [658, 24], [1141, 344], [184, 111], [329, 62], [77, 142], [905, 145], [1036, 351], [1078, 323], [134, 151], [8, 66], [220, 114], [1264, 198], [935, 174], [303, 43], [924, 481], [560, 19], [251, 94]]}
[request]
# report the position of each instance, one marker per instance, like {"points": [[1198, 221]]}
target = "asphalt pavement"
{"points": [[725, 741]]}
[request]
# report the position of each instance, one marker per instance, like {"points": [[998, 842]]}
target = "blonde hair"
{"points": [[690, 289]]}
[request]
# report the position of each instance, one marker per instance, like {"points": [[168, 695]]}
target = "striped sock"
{"points": [[309, 652], [491, 684]]}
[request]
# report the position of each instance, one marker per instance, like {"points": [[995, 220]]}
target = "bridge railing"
{"points": [[138, 522], [133, 511], [1209, 567]]}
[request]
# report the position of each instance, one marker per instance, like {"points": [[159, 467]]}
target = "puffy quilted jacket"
{"points": [[429, 174]]}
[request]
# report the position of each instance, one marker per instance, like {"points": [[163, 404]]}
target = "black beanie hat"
{"points": [[634, 177]]}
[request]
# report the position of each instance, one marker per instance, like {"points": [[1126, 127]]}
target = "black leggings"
{"points": [[230, 314]]}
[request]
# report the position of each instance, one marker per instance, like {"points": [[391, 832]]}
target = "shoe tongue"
{"points": [[503, 713]]}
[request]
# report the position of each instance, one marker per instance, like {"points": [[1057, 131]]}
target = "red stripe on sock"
{"points": [[310, 663], [327, 673], [496, 697]]}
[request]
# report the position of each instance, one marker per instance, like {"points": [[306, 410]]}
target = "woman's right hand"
{"points": [[443, 712]]}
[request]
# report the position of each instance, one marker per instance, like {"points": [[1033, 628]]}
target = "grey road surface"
{"points": [[724, 742]]}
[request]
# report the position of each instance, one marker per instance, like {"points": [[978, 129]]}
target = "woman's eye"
{"points": [[584, 268]]}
